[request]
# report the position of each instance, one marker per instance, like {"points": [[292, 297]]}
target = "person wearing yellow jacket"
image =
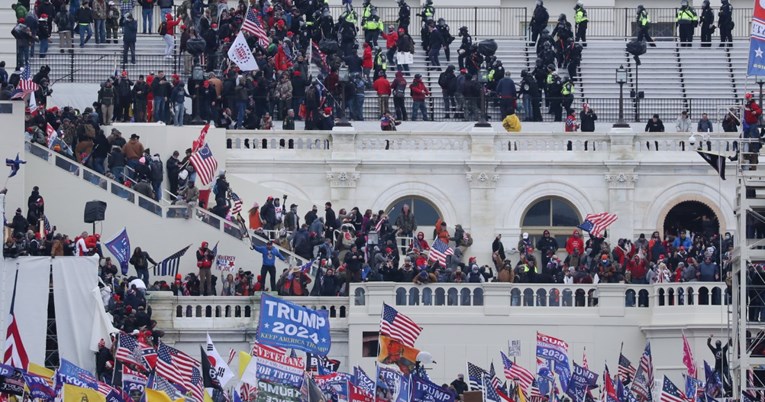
{"points": [[686, 22], [511, 123]]}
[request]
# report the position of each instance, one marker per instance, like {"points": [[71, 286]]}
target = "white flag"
{"points": [[241, 54], [222, 372]]}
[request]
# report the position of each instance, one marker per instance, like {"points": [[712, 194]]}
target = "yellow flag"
{"points": [[74, 393], [393, 351], [521, 395], [207, 397], [244, 360], [152, 395]]}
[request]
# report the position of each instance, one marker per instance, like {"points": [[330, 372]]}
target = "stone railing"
{"points": [[242, 312], [230, 312], [481, 144], [510, 295]]}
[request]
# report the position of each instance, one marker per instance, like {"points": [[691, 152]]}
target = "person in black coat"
{"points": [[173, 167], [655, 125], [498, 247], [539, 21], [330, 220], [436, 41], [129, 33], [268, 214], [587, 118]]}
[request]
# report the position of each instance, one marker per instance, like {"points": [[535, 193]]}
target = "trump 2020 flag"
{"points": [[241, 55], [756, 65], [119, 246]]}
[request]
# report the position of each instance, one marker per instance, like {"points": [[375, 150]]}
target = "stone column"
{"points": [[621, 201], [483, 182]]}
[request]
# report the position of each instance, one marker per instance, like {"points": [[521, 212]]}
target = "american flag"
{"points": [[169, 266], [253, 25], [438, 252], [493, 374], [14, 352], [272, 349], [626, 369], [231, 355], [104, 388], [475, 377], [127, 350], [398, 326], [51, 135], [236, 204], [688, 361], [318, 57], [670, 392], [492, 392], [514, 372], [204, 164], [160, 384], [180, 368], [379, 224], [597, 223], [26, 85], [642, 386], [46, 224], [535, 395]]}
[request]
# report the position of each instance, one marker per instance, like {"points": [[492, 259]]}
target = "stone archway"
{"points": [[695, 216]]}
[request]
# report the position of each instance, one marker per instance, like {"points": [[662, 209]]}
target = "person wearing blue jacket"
{"points": [[270, 254], [682, 240]]}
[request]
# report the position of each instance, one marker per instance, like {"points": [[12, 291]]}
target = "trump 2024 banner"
{"points": [[756, 64], [289, 325]]}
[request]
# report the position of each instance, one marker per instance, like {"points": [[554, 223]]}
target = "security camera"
{"points": [[692, 139]]}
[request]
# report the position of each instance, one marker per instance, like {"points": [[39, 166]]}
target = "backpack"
{"points": [[399, 91], [162, 28]]}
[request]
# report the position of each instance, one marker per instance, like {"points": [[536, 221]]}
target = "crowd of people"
{"points": [[349, 55]]}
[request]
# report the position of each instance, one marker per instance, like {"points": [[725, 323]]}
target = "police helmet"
{"points": [[441, 21], [562, 17], [551, 67], [524, 73]]}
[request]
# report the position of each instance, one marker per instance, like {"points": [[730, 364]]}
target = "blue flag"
{"points": [[14, 164], [39, 387], [69, 373], [392, 383], [289, 325], [550, 348], [714, 384], [119, 246], [756, 65], [582, 380], [424, 390], [362, 380]]}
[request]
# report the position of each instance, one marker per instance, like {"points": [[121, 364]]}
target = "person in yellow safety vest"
{"points": [[349, 15], [643, 23], [372, 28], [686, 21], [381, 62], [428, 11], [580, 23], [567, 92], [366, 11]]}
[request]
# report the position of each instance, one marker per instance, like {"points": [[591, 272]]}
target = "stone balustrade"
{"points": [[471, 142], [241, 312]]}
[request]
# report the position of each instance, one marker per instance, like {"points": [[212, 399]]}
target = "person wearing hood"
{"points": [[24, 39], [419, 92], [448, 83], [548, 246], [507, 95], [398, 89], [129, 34], [205, 259], [539, 20], [404, 51], [575, 241]]}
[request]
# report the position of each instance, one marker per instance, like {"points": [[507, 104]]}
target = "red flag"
{"points": [[200, 141], [690, 364], [14, 352], [608, 387], [356, 394]]}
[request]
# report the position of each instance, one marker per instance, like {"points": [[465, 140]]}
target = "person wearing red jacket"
{"points": [[367, 63], [281, 60], [169, 34], [752, 115], [575, 241], [390, 43], [419, 93], [382, 87]]}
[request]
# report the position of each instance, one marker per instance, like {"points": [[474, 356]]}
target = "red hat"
{"points": [[21, 20], [270, 198], [213, 25], [472, 259], [280, 23], [463, 71], [124, 73], [44, 16], [388, 250], [327, 110], [168, 17], [183, 27], [748, 95], [178, 276], [289, 34]]}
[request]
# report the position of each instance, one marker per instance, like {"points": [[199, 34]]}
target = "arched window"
{"points": [[555, 214], [424, 211]]}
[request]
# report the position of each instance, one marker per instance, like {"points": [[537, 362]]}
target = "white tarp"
{"points": [[31, 307], [74, 279]]}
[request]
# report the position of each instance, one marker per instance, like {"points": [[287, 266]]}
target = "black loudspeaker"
{"points": [[95, 211]]}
